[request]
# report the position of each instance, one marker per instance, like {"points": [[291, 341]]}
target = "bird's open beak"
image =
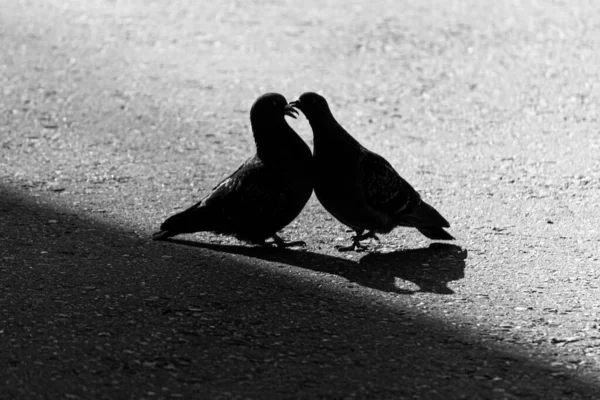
{"points": [[290, 111], [296, 104]]}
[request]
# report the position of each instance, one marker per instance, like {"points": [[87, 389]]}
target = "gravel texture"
{"points": [[116, 114]]}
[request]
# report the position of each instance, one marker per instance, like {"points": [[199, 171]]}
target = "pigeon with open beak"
{"points": [[265, 193]]}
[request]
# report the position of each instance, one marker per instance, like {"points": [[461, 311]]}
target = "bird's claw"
{"points": [[356, 245]]}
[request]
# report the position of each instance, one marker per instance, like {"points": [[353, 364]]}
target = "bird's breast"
{"points": [[336, 180]]}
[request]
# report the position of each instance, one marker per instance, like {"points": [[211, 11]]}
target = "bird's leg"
{"points": [[279, 242], [355, 246]]}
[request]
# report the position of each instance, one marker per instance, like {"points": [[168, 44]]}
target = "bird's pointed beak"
{"points": [[290, 111], [296, 104]]}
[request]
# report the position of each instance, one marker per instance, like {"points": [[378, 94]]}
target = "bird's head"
{"points": [[271, 107], [312, 105]]}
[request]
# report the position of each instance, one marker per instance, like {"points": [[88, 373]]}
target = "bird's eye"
{"points": [[274, 104]]}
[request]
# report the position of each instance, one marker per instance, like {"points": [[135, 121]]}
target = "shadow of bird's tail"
{"points": [[195, 219], [428, 221]]}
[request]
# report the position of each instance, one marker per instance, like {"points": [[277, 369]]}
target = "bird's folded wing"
{"points": [[251, 189], [385, 190], [241, 178]]}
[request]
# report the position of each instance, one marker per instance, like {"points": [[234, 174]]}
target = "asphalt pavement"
{"points": [[117, 114]]}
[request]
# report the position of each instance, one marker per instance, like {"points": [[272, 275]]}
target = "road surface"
{"points": [[116, 114]]}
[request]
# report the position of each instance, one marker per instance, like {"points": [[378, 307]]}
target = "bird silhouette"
{"points": [[265, 193], [359, 187]]}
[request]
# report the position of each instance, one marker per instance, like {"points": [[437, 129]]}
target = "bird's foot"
{"points": [[356, 245], [282, 244]]}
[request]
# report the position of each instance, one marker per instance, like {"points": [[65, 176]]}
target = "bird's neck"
{"points": [[328, 133], [275, 141]]}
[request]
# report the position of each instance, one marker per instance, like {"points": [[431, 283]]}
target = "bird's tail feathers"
{"points": [[425, 215], [162, 235], [427, 220], [194, 219], [435, 233]]}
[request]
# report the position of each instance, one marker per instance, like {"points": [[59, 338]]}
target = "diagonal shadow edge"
{"points": [[99, 269]]}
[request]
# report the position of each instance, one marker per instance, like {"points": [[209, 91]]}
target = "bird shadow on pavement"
{"points": [[430, 268]]}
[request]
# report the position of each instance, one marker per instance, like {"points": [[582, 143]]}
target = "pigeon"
{"points": [[359, 187], [265, 193]]}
